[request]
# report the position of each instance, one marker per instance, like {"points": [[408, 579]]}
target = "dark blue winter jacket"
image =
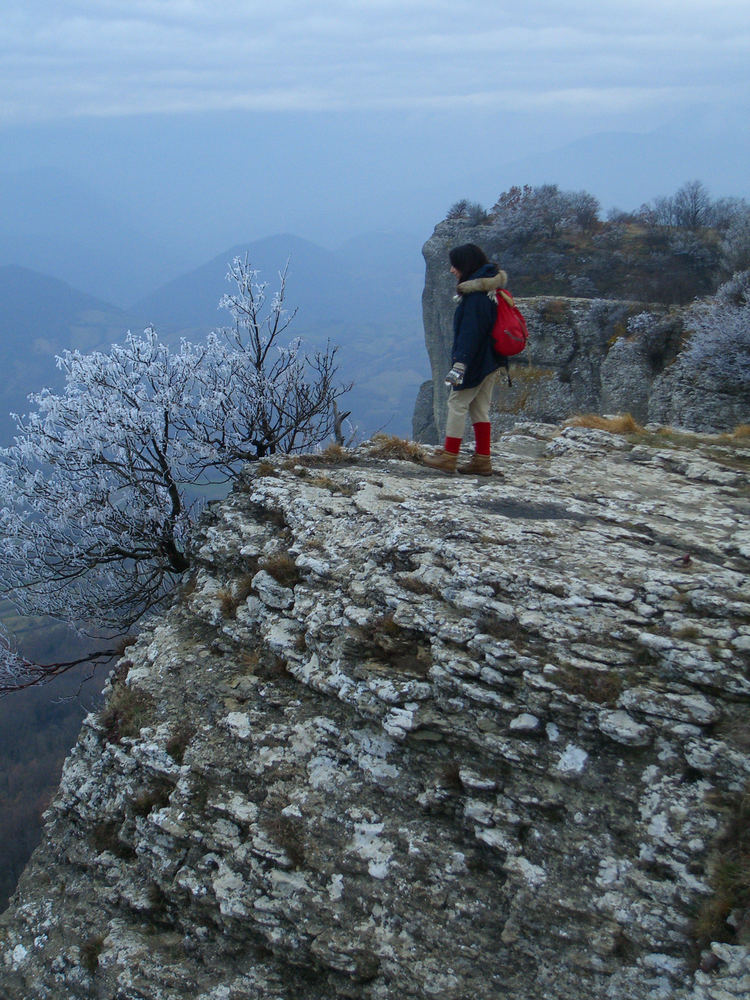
{"points": [[472, 323]]}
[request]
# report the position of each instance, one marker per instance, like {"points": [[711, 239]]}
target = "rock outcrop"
{"points": [[581, 357], [408, 735]]}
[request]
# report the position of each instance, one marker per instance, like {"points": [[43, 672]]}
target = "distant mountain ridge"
{"points": [[191, 301], [376, 275], [364, 297], [56, 224], [40, 317], [31, 302]]}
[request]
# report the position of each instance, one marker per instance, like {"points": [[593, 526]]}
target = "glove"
{"points": [[455, 376]]}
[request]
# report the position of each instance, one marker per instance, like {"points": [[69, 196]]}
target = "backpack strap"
{"points": [[493, 294], [506, 365]]}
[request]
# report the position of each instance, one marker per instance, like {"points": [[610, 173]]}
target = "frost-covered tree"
{"points": [[94, 522], [266, 395], [553, 209], [514, 215], [94, 512], [720, 341], [735, 244], [513, 201], [585, 210], [472, 211], [692, 205], [659, 213], [543, 211], [726, 211]]}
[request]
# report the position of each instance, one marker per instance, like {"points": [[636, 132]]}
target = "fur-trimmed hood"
{"points": [[486, 284]]}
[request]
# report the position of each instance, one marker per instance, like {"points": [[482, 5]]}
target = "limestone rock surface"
{"points": [[411, 735]]}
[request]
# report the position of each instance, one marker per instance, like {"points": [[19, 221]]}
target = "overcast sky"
{"points": [[241, 119], [621, 58]]}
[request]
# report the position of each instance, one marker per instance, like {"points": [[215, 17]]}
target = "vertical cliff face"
{"points": [[581, 357], [413, 735]]}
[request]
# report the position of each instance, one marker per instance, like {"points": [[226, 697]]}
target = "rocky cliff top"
{"points": [[408, 735], [583, 355]]}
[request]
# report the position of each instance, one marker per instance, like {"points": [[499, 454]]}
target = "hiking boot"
{"points": [[442, 460], [479, 465]]}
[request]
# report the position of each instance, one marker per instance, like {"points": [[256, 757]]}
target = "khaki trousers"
{"points": [[475, 402]]}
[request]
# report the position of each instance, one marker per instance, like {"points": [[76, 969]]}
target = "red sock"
{"points": [[482, 434], [453, 445]]}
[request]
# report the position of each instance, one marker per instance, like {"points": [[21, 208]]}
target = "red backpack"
{"points": [[509, 334]]}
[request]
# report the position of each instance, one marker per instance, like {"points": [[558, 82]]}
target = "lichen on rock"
{"points": [[474, 738]]}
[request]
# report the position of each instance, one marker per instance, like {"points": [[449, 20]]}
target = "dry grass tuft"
{"points": [[227, 602], [128, 710], [672, 437], [266, 468], [326, 483], [282, 568], [249, 660], [603, 687], [625, 423], [289, 833], [399, 647], [527, 379], [416, 585], [332, 454], [231, 597], [90, 951], [156, 796], [531, 373], [390, 446], [336, 454], [178, 742], [730, 882], [555, 311]]}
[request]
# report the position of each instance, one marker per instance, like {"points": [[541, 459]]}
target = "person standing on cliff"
{"points": [[474, 363]]}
